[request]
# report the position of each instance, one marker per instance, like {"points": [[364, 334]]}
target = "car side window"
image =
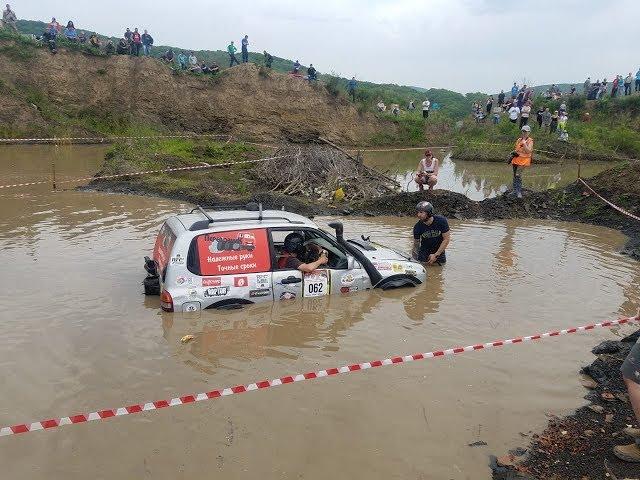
{"points": [[230, 253], [315, 241]]}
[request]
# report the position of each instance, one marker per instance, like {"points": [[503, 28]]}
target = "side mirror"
{"points": [[352, 263]]}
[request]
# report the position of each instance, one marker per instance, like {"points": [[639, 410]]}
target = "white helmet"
{"points": [[526, 128]]}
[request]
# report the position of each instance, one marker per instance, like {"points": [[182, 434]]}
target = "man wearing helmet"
{"points": [[521, 157], [294, 249], [431, 236]]}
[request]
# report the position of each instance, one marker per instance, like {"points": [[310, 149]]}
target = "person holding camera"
{"points": [[521, 157], [296, 253]]}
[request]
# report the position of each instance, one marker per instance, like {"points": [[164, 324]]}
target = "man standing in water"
{"points": [[631, 375], [521, 157], [431, 236]]}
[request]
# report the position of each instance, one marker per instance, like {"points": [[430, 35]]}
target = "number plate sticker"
{"points": [[316, 284]]}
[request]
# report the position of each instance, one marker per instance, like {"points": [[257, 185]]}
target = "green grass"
{"points": [[157, 154]]}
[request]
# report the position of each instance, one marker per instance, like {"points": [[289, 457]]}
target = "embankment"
{"points": [[75, 93]]}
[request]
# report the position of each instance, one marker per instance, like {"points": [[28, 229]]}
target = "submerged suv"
{"points": [[226, 259]]}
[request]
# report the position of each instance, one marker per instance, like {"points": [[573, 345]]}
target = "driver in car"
{"points": [[296, 253]]}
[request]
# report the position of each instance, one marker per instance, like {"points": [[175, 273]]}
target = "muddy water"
{"points": [[78, 335], [479, 180]]}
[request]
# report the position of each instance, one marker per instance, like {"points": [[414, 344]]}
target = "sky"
{"points": [[460, 45]]}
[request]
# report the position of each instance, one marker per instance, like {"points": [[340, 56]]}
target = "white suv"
{"points": [[226, 259]]}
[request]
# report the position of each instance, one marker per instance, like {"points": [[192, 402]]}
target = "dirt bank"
{"points": [[580, 446], [78, 94]]}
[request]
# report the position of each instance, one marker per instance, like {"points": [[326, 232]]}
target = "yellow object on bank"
{"points": [[338, 195]]}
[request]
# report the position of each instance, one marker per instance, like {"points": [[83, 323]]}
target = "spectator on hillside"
{"points": [[563, 108], [426, 106], [296, 67], [9, 19], [82, 37], [562, 126], [554, 122], [489, 105], [168, 56], [193, 61], [70, 32], [496, 114], [524, 114], [587, 86], [627, 84], [268, 59], [123, 47], [109, 48], [603, 89], [514, 90], [312, 73], [501, 98], [50, 35], [539, 114], [231, 50], [412, 105], [381, 106], [395, 109], [614, 87], [351, 88], [136, 42], [127, 35], [183, 60], [53, 27], [546, 119], [638, 80], [94, 41], [147, 43], [514, 112], [573, 90], [215, 68], [586, 117], [245, 49]]}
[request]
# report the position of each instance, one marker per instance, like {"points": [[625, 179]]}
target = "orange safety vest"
{"points": [[523, 159]]}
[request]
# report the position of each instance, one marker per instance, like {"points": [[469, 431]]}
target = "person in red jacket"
{"points": [[136, 43]]}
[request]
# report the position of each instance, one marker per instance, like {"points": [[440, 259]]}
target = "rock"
{"points": [[588, 433], [608, 346], [608, 418], [479, 443], [623, 397], [633, 338], [588, 382], [506, 461], [596, 408], [518, 452], [608, 396], [187, 338]]}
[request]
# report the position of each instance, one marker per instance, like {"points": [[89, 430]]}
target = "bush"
{"points": [[332, 85]]}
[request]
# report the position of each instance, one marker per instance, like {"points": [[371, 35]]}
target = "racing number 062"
{"points": [[315, 288]]}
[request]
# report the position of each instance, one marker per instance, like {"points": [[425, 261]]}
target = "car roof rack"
{"points": [[252, 207]]}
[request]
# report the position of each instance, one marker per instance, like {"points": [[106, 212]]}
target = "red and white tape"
{"points": [[612, 205], [165, 170], [144, 407], [104, 139]]}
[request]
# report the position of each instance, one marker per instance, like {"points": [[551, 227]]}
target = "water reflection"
{"points": [[478, 180]]}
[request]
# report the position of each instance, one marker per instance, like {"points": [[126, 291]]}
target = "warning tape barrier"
{"points": [[104, 139], [133, 174], [191, 398], [612, 205]]}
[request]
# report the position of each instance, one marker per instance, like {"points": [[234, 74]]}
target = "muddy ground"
{"points": [[572, 203], [580, 446]]}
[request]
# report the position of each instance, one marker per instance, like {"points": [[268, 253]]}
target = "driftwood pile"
{"points": [[318, 171]]}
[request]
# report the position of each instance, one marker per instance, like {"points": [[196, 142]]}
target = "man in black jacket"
{"points": [[147, 42]]}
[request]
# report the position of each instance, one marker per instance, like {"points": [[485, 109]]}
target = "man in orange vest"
{"points": [[521, 157]]}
